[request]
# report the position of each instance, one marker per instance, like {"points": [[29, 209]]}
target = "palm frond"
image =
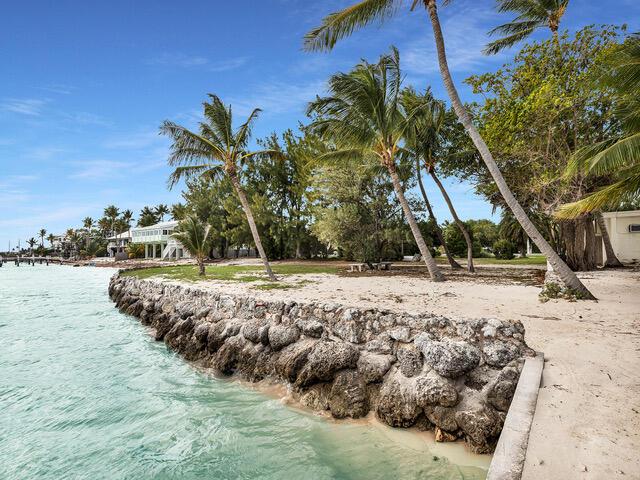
{"points": [[188, 147], [220, 120], [191, 171], [244, 132], [338, 25], [607, 198], [623, 153], [506, 42]]}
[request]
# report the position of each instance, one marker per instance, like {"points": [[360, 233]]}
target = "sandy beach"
{"points": [[587, 421]]}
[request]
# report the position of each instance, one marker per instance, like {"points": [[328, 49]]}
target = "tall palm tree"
{"points": [[42, 234], [532, 14], [111, 213], [341, 24], [88, 224], [364, 117], [217, 149], [161, 210], [127, 217], [196, 238], [423, 138], [51, 238]]}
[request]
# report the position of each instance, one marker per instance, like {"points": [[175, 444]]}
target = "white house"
{"points": [[117, 245], [158, 242], [624, 230]]}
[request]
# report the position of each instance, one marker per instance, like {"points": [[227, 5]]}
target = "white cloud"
{"points": [[25, 106], [58, 88], [134, 141], [465, 34], [86, 118], [177, 60], [98, 169], [277, 98]]}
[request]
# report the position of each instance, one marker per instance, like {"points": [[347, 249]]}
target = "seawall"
{"points": [[454, 376]]}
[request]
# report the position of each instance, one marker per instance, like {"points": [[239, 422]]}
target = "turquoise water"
{"points": [[85, 392]]}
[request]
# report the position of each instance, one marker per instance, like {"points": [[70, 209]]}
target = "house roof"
{"points": [[170, 224]]}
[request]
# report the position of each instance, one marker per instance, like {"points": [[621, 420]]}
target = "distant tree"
{"points": [[196, 238], [161, 210], [127, 217], [111, 213], [32, 242], [42, 234], [148, 216]]}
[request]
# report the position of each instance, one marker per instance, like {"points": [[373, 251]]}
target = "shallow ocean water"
{"points": [[86, 393]]}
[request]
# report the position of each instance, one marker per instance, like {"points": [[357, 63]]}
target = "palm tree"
{"points": [[217, 149], [452, 261], [196, 238], [341, 24], [364, 117], [32, 242], [127, 217], [88, 224], [532, 14], [111, 213], [423, 138], [42, 234], [161, 210], [51, 238]]}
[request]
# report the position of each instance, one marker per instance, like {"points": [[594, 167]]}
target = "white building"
{"points": [[624, 231], [117, 245], [158, 242]]}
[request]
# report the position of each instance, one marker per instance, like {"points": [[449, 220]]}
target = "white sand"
{"points": [[587, 422]]}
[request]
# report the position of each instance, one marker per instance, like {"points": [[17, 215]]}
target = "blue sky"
{"points": [[85, 85]]}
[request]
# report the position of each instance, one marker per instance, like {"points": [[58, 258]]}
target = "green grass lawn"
{"points": [[234, 273], [531, 260]]}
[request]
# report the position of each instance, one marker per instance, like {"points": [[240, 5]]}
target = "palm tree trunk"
{"points": [[252, 225], [612, 259], [201, 269], [434, 271], [454, 214], [452, 261], [565, 273]]}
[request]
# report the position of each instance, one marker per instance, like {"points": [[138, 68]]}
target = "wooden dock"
{"points": [[19, 259]]}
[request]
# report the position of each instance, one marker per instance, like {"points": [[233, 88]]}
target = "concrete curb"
{"points": [[508, 459]]}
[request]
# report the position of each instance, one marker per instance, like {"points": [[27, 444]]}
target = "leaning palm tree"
{"points": [[196, 238], [423, 138], [363, 116], [341, 24], [532, 15], [217, 149]]}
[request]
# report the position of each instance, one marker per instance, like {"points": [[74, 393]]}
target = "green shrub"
{"points": [[135, 250], [504, 249]]}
